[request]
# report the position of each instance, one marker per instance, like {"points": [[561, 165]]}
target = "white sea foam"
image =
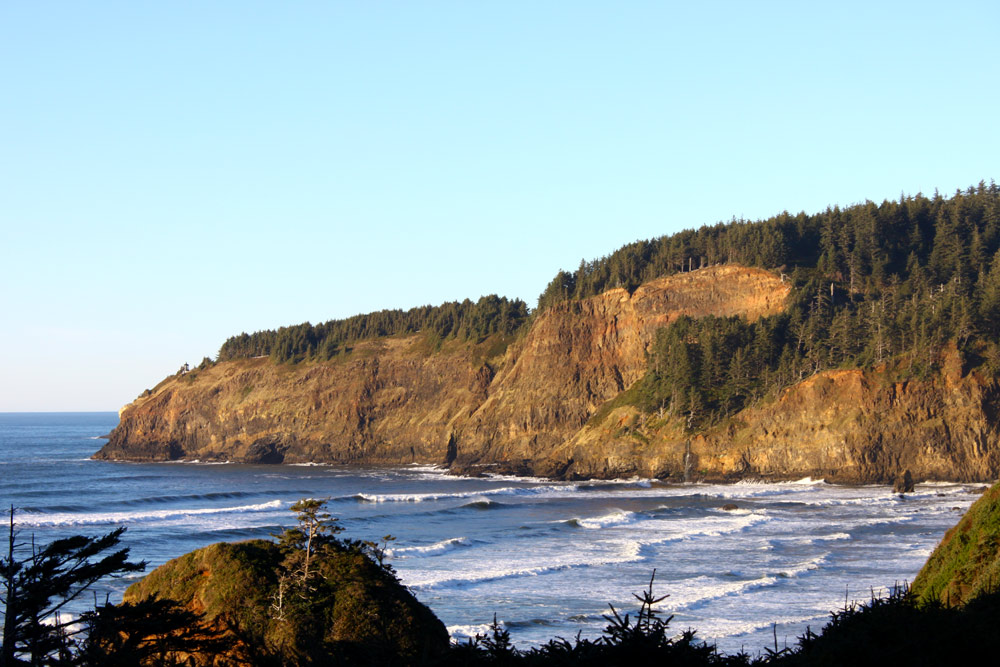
{"points": [[502, 491], [425, 467], [749, 491], [797, 569], [876, 521], [433, 473], [72, 518], [643, 482], [500, 567], [712, 526], [609, 551], [811, 539], [631, 488], [521, 479], [638, 488], [805, 481], [938, 483], [197, 462], [429, 549], [695, 592], [739, 511], [790, 571], [722, 627], [441, 579], [616, 518], [810, 481], [883, 498], [460, 632]]}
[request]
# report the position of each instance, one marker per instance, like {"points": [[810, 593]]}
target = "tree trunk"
{"points": [[10, 597]]}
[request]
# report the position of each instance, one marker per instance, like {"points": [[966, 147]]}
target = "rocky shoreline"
{"points": [[545, 404]]}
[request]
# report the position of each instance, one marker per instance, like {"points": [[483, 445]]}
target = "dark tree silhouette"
{"points": [[39, 585]]}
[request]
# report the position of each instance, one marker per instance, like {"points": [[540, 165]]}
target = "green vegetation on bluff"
{"points": [[456, 320], [874, 284], [861, 247], [967, 562], [309, 599]]}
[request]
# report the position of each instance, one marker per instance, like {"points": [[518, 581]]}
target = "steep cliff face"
{"points": [[845, 426], [865, 427], [394, 401], [531, 408], [390, 401], [581, 354]]}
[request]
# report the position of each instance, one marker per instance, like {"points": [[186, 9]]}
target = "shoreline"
{"points": [[501, 472]]}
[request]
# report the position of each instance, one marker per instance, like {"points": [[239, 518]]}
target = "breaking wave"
{"points": [[76, 519]]}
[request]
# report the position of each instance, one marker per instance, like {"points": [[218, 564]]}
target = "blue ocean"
{"points": [[546, 557]]}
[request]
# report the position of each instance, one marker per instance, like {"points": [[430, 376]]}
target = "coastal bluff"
{"points": [[545, 403]]}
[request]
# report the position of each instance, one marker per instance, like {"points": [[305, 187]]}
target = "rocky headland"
{"points": [[549, 403]]}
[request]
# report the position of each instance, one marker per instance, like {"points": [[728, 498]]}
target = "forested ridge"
{"points": [[873, 284], [465, 320]]}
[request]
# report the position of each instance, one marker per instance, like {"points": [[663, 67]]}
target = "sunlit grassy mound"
{"points": [[350, 609], [967, 562]]}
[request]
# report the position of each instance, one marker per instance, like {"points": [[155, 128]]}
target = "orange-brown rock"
{"points": [[394, 401], [388, 402], [531, 408], [846, 426], [580, 354]]}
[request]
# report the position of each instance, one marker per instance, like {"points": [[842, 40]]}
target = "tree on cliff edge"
{"points": [[317, 528]]}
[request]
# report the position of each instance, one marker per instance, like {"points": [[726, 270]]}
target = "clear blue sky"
{"points": [[174, 173]]}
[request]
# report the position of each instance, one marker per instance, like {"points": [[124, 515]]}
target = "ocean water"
{"points": [[546, 557]]}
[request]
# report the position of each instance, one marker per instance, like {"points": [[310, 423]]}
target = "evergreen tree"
{"points": [[39, 585]]}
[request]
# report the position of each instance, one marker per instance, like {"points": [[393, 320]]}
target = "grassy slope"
{"points": [[967, 562]]}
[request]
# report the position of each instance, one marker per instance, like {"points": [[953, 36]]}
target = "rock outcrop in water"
{"points": [[537, 406]]}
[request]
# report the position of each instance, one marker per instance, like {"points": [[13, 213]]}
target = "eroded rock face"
{"points": [[527, 411], [580, 354], [389, 402], [393, 401], [846, 426]]}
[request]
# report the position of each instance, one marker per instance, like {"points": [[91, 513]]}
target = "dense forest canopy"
{"points": [[873, 284], [458, 320], [860, 247]]}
